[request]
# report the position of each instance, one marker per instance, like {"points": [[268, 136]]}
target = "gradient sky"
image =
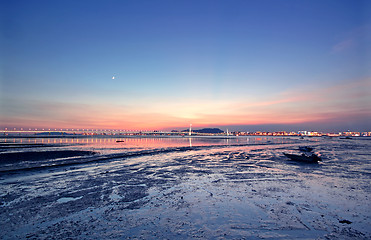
{"points": [[245, 65]]}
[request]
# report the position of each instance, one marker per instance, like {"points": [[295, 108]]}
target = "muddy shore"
{"points": [[246, 192]]}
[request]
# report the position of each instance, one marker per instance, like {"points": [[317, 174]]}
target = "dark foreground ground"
{"points": [[246, 192]]}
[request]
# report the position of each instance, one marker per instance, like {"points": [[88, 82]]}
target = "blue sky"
{"points": [[212, 63]]}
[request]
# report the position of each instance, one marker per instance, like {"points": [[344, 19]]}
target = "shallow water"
{"points": [[43, 152], [185, 188]]}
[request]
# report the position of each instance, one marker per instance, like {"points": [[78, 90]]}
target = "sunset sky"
{"points": [[242, 65]]}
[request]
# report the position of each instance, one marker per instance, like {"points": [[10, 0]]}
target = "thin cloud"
{"points": [[338, 101], [342, 46], [354, 39]]}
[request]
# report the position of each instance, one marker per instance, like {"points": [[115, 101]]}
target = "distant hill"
{"points": [[209, 130], [206, 130]]}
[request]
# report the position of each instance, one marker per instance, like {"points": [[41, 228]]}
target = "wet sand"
{"points": [[12, 157], [246, 192]]}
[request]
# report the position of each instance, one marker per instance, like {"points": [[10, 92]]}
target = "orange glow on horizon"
{"points": [[291, 107]]}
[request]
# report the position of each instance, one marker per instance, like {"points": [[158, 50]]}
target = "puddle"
{"points": [[67, 199]]}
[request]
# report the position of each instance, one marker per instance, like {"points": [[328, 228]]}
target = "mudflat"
{"points": [[217, 192]]}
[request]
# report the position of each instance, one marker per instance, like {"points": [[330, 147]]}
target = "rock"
{"points": [[345, 221]]}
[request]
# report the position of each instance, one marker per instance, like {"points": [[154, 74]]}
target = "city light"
{"points": [[193, 132]]}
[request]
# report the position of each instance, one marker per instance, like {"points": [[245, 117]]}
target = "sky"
{"points": [[244, 65]]}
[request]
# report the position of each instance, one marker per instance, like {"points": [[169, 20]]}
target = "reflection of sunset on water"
{"points": [[115, 144]]}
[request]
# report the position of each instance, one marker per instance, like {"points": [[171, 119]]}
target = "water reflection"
{"points": [[110, 143]]}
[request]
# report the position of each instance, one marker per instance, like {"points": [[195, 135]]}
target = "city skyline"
{"points": [[242, 65]]}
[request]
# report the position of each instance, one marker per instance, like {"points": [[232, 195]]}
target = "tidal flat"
{"points": [[184, 188]]}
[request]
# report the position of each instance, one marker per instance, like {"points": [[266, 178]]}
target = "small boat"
{"points": [[306, 149], [346, 137], [118, 141], [303, 158]]}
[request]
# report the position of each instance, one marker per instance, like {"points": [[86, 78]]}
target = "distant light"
{"points": [[113, 78]]}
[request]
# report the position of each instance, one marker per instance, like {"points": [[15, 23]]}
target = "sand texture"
{"points": [[223, 192]]}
